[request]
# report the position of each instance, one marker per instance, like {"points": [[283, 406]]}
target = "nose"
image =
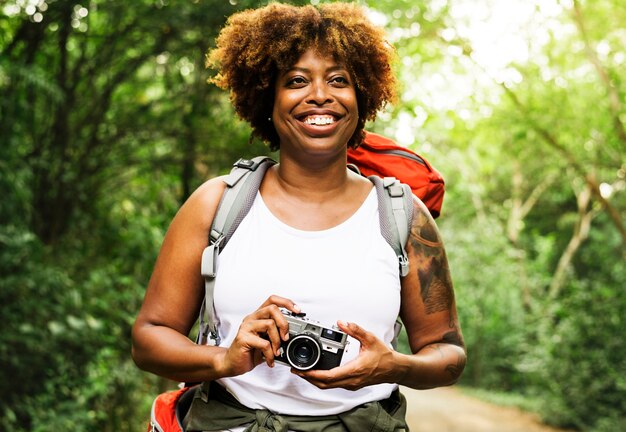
{"points": [[319, 94]]}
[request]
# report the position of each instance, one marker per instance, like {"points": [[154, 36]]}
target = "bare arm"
{"points": [[174, 295], [429, 311]]}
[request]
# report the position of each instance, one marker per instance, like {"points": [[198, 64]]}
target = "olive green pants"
{"points": [[215, 409]]}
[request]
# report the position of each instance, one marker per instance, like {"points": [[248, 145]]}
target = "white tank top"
{"points": [[348, 273]]}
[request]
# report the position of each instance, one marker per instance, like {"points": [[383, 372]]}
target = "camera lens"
{"points": [[303, 352]]}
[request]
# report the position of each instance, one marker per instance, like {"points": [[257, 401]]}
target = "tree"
{"points": [[106, 124]]}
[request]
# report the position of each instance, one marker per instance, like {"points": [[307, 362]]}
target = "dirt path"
{"points": [[448, 410]]}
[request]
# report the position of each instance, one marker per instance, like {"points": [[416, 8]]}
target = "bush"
{"points": [[489, 302], [586, 359], [67, 314]]}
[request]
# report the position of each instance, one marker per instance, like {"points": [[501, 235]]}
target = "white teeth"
{"points": [[319, 120]]}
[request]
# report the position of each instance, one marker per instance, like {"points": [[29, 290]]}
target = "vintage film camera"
{"points": [[311, 345]]}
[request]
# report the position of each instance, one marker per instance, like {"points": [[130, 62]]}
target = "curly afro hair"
{"points": [[257, 44]]}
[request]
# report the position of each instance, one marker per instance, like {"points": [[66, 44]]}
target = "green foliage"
{"points": [[38, 334], [66, 332], [105, 129], [107, 124], [486, 271], [517, 157], [583, 359]]}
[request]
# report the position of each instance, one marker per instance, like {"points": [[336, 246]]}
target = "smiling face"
{"points": [[315, 105]]}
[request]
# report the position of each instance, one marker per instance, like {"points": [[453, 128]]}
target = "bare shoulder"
{"points": [[200, 207], [188, 231], [176, 282], [424, 231]]}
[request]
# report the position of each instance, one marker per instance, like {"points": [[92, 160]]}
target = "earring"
{"points": [[269, 119]]}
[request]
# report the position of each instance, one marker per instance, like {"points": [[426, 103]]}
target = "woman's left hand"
{"points": [[374, 364]]}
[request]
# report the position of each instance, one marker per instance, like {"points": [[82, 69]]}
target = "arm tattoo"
{"points": [[455, 370], [437, 348], [432, 269], [454, 338]]}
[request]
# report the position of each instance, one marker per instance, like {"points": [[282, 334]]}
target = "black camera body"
{"points": [[311, 345]]}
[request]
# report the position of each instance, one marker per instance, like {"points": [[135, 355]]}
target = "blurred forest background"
{"points": [[107, 124]]}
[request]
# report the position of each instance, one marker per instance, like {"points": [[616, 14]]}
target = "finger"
{"points": [[274, 313], [257, 357], [253, 345], [254, 331], [281, 322], [262, 347], [347, 370], [274, 337], [281, 302], [318, 378], [257, 325], [346, 385], [356, 331], [328, 380], [318, 375]]}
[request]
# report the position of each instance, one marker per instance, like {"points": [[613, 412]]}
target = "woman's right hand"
{"points": [[259, 337]]}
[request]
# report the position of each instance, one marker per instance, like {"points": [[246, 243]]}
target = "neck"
{"points": [[313, 195], [314, 180]]}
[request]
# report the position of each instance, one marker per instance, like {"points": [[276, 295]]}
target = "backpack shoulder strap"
{"points": [[395, 207], [242, 185]]}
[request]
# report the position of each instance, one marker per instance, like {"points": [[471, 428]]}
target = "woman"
{"points": [[306, 79]]}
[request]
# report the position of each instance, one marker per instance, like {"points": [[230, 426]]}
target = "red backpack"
{"points": [[169, 409], [381, 156]]}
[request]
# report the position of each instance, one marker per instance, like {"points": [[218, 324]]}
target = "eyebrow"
{"points": [[306, 70]]}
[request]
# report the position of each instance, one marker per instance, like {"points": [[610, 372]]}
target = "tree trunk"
{"points": [[515, 224], [580, 234]]}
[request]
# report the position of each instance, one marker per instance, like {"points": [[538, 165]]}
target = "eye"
{"points": [[340, 81], [296, 81]]}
